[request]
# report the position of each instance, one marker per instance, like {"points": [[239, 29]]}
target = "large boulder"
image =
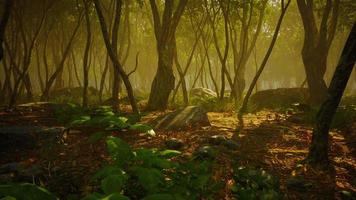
{"points": [[202, 93], [190, 116], [278, 98], [21, 137]]}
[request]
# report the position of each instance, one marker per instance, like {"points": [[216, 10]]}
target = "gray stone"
{"points": [[216, 139], [202, 93], [230, 144], [174, 144], [190, 116], [205, 153], [298, 184], [27, 136]]}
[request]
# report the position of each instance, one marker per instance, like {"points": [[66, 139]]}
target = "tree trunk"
{"points": [[163, 82], [4, 19], [318, 151], [113, 56], [243, 108], [46, 94], [316, 45], [86, 66]]}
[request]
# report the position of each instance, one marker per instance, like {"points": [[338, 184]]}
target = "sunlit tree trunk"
{"points": [[242, 45], [113, 56], [46, 94], [28, 46], [164, 29], [222, 55], [317, 42], [243, 108], [86, 65], [318, 151]]}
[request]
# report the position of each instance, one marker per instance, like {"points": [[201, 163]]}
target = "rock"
{"points": [[298, 184], [202, 93], [9, 167], [11, 172], [278, 98], [27, 136], [302, 107], [223, 141], [230, 144], [174, 144], [190, 116], [216, 139], [205, 153]]}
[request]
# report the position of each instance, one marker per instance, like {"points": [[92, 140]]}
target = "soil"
{"points": [[269, 141]]}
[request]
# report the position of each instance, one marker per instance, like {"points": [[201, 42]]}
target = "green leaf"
{"points": [[169, 153], [159, 197], [93, 138], [113, 183], [80, 120], [115, 196], [119, 150], [8, 198], [150, 178], [107, 171], [26, 191], [94, 196], [143, 128]]}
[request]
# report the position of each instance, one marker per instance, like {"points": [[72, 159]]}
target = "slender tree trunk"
{"points": [[318, 151], [3, 22], [243, 108], [114, 57], [86, 66], [46, 94]]}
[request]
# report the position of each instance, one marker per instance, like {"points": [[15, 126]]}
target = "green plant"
{"points": [[152, 175], [255, 184], [24, 191]]}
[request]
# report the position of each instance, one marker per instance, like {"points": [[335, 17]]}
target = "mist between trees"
{"points": [[162, 47]]}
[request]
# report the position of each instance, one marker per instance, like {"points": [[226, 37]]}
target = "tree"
{"points": [[317, 42], [3, 22], [29, 41], [111, 51], [164, 29], [318, 151], [243, 108], [86, 53], [59, 68], [244, 42]]}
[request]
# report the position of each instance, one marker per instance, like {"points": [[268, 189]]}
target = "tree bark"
{"points": [[4, 19], [86, 66], [46, 94], [318, 151], [243, 108], [317, 42], [163, 82], [114, 57]]}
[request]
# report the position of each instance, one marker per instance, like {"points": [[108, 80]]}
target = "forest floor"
{"points": [[270, 141]]}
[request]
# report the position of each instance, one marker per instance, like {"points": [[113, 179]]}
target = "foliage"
{"points": [[153, 174], [101, 117], [255, 184], [25, 191]]}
